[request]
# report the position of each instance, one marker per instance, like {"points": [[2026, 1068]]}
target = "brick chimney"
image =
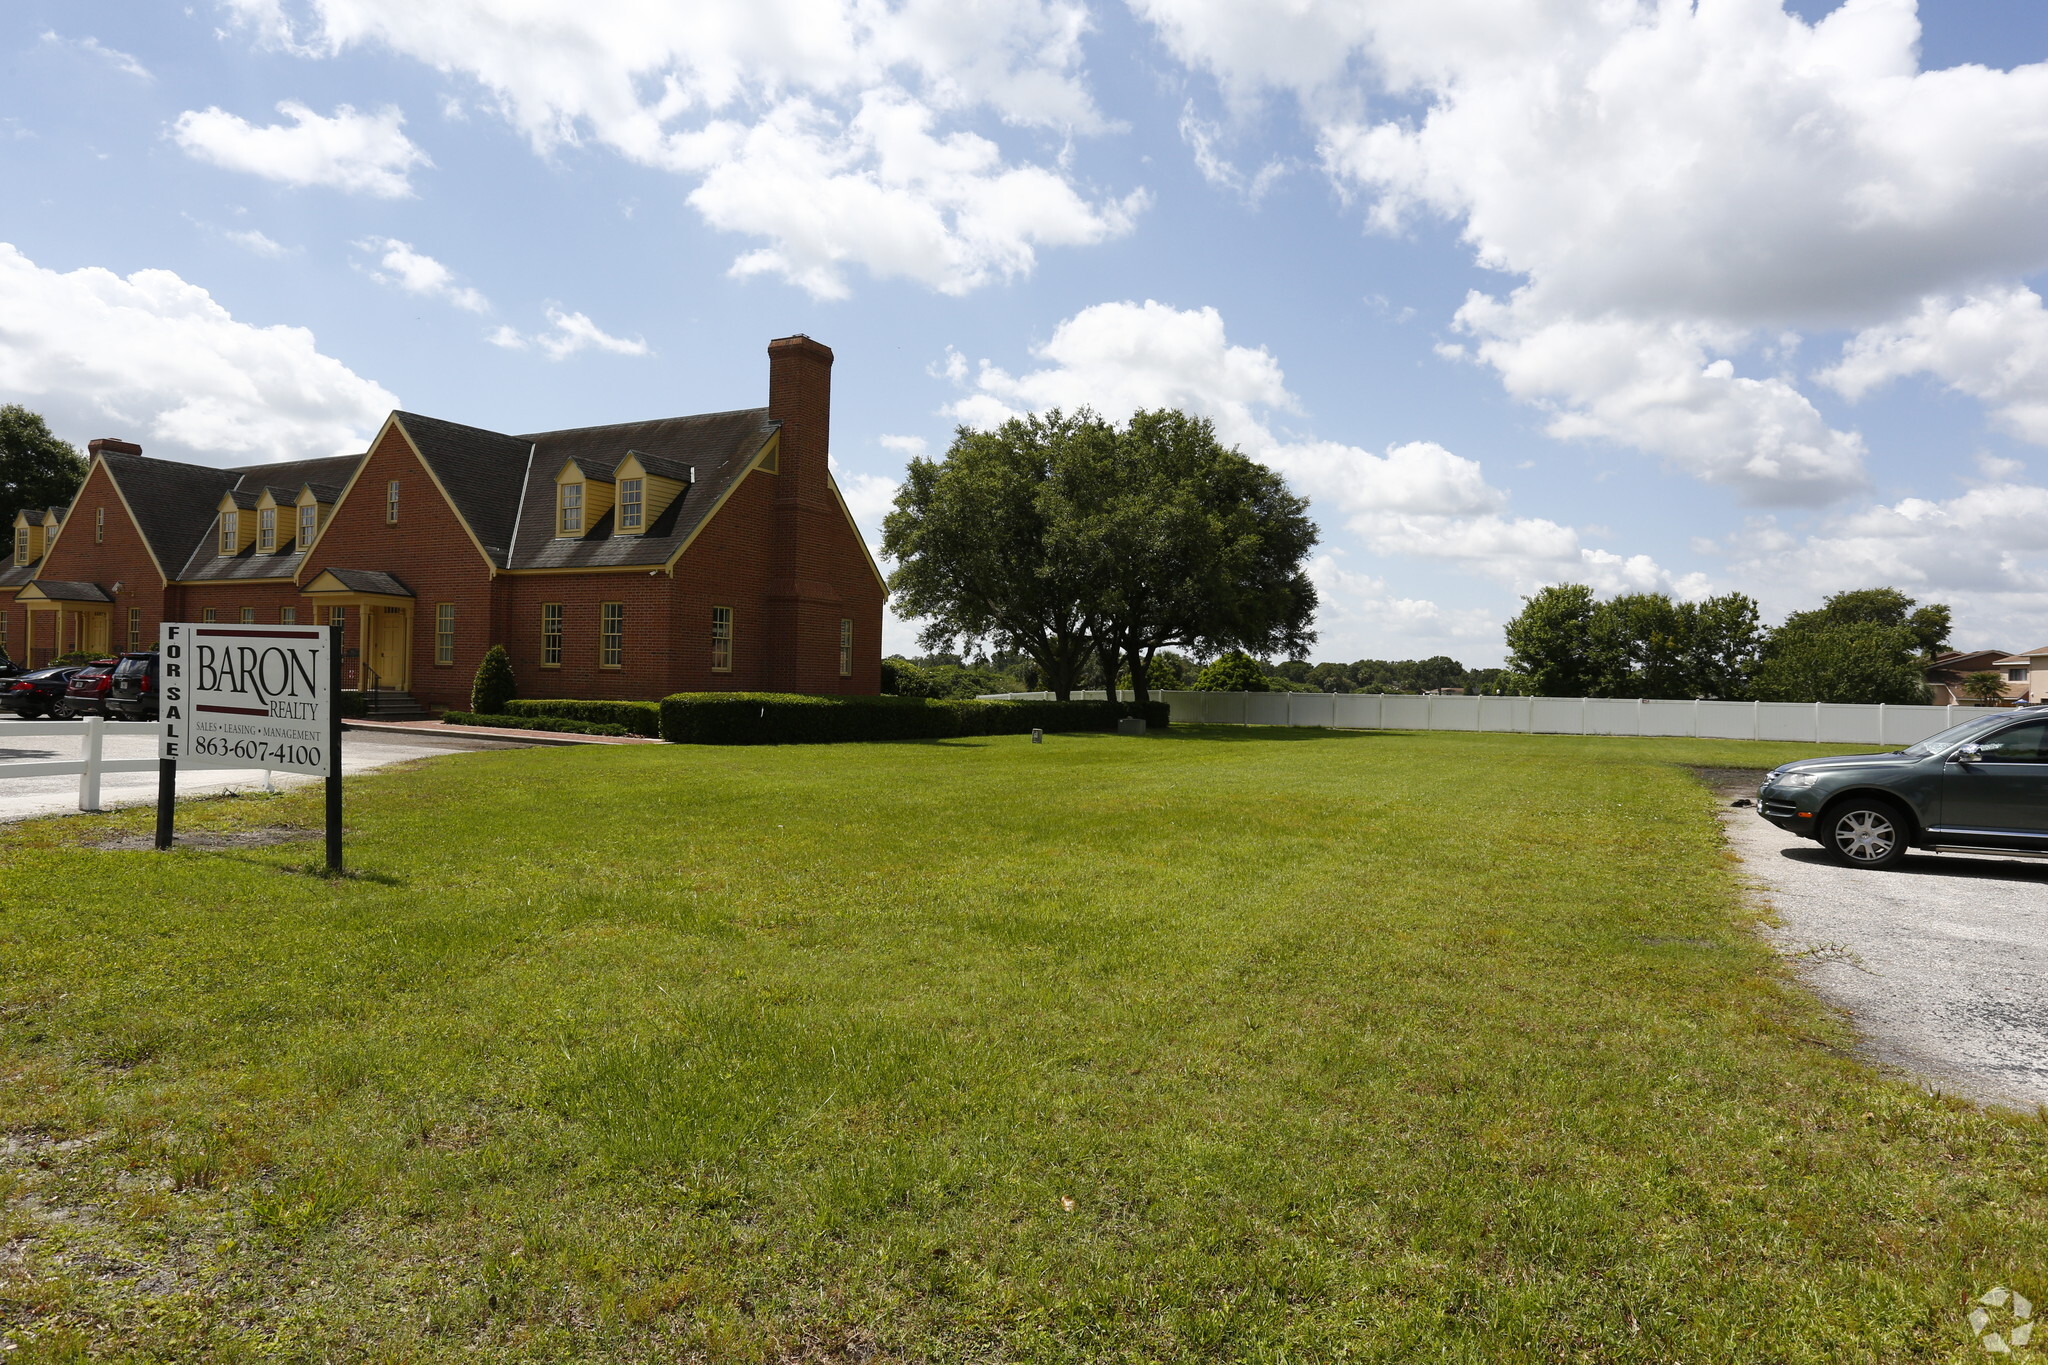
{"points": [[803, 606], [800, 396], [99, 443]]}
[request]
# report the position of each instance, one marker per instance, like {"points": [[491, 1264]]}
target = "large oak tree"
{"points": [[36, 469]]}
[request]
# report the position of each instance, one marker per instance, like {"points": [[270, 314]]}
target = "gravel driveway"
{"points": [[1942, 964]]}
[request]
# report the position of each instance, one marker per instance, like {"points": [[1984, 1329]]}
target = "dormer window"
{"points": [[266, 530], [632, 503], [21, 541], [309, 523], [230, 532], [572, 510]]}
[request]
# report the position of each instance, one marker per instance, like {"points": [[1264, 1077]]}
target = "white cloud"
{"points": [[113, 57], [881, 189], [1205, 139], [355, 152], [909, 447], [812, 124], [1418, 500], [1992, 346], [567, 334], [256, 241], [1689, 178], [417, 273], [1358, 616], [157, 359]]}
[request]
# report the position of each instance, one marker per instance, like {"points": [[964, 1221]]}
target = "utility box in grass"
{"points": [[1131, 725]]}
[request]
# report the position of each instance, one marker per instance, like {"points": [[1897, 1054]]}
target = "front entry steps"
{"points": [[388, 705]]}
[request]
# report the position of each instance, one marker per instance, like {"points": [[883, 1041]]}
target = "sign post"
{"points": [[264, 695]]}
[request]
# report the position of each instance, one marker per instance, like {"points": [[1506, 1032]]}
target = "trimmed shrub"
{"points": [[494, 684], [544, 723], [786, 718], [352, 704], [638, 717]]}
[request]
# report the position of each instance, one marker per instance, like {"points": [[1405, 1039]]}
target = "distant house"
{"points": [[1945, 674], [707, 553], [2026, 674]]}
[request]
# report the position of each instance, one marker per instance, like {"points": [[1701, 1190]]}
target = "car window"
{"points": [[2020, 744], [1955, 734], [132, 668]]}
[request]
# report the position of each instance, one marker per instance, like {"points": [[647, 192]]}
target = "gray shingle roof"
{"points": [[719, 444], [370, 580], [490, 476], [71, 590]]}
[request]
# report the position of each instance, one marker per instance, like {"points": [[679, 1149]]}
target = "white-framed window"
{"points": [[21, 547], [611, 634], [135, 627], [309, 522], [632, 503], [721, 639], [249, 615], [287, 616], [266, 530], [99, 525], [845, 648], [337, 617], [391, 503], [210, 614], [572, 509], [444, 633], [230, 532], [551, 635], [3, 631]]}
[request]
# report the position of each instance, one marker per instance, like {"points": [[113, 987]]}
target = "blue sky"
{"points": [[1693, 298]]}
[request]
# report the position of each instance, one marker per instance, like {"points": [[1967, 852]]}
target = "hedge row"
{"points": [[639, 717], [786, 718], [548, 724]]}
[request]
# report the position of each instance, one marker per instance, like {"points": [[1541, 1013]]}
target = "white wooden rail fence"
{"points": [[90, 732], [1817, 722]]}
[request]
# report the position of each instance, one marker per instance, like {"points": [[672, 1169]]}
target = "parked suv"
{"points": [[1977, 787], [39, 692], [86, 693], [133, 694]]}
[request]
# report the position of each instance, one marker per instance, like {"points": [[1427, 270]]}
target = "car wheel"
{"points": [[61, 710], [1863, 832]]}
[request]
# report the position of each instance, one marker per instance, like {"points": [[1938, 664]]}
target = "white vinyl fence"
{"points": [[90, 732], [1819, 722]]}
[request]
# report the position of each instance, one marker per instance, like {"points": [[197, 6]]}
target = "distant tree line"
{"points": [[1085, 546], [1868, 645]]}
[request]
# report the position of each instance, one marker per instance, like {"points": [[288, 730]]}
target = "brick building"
{"points": [[703, 553]]}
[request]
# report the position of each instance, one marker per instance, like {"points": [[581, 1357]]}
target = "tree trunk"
{"points": [[1109, 654], [1141, 676]]}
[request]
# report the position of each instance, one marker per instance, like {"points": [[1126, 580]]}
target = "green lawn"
{"points": [[1255, 1045]]}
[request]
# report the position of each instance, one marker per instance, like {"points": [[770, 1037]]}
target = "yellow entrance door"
{"points": [[96, 632], [389, 647]]}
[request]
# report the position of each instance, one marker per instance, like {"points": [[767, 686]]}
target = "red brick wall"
{"points": [[780, 553], [123, 558]]}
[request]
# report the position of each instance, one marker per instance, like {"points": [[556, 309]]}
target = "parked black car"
{"points": [[9, 668], [39, 692], [133, 694], [86, 693], [1977, 787]]}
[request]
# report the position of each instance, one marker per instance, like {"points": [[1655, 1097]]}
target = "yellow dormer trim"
{"points": [[235, 530], [28, 538], [578, 510], [305, 500], [657, 494]]}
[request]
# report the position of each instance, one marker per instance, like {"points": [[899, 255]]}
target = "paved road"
{"points": [[1943, 964], [21, 797]]}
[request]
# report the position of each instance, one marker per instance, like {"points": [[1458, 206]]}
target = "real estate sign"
{"points": [[261, 695]]}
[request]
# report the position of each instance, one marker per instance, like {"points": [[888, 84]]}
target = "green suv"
{"points": [[1978, 787]]}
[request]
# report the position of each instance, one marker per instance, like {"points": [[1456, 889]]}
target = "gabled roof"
{"points": [[67, 590], [359, 580], [482, 471], [173, 504], [720, 445], [202, 558], [15, 576]]}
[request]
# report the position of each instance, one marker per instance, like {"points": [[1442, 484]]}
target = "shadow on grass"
{"points": [[1253, 734]]}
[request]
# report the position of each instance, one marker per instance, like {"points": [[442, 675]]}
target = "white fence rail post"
{"points": [[89, 754]]}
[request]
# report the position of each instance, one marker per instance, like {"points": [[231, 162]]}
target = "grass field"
{"points": [[1229, 1045]]}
